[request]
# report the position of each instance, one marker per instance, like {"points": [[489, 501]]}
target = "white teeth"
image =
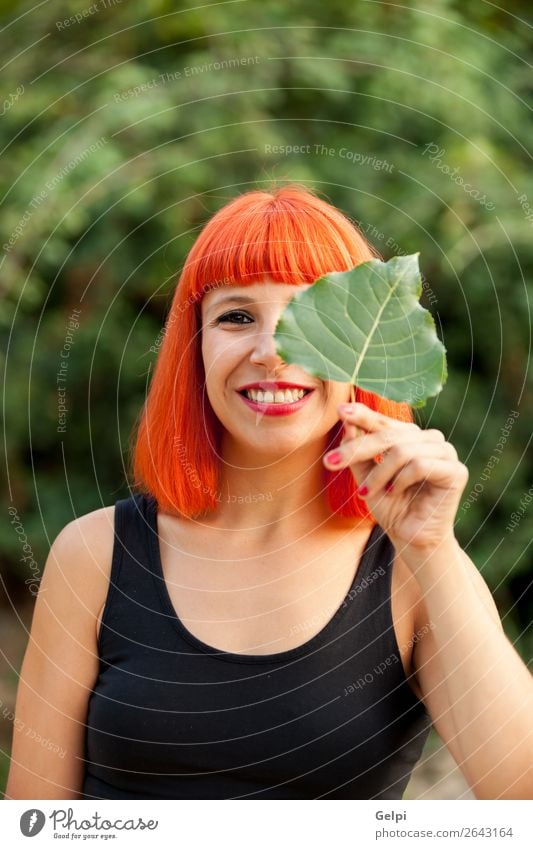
{"points": [[287, 396]]}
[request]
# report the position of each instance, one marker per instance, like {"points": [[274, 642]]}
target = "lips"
{"points": [[272, 385], [269, 402]]}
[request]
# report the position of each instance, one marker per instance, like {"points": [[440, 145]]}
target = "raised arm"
{"points": [[476, 688], [61, 663]]}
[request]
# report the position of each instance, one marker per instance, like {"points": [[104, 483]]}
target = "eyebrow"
{"points": [[231, 299]]}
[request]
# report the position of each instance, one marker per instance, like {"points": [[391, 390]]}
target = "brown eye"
{"points": [[234, 317]]}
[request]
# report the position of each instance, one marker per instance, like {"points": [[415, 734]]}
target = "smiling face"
{"points": [[262, 402]]}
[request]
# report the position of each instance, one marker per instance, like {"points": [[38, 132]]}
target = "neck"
{"points": [[273, 496]]}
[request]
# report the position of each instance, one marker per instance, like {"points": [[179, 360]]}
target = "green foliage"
{"points": [[124, 131]]}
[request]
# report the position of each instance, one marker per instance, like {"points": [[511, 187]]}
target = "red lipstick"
{"points": [[272, 385], [271, 408]]}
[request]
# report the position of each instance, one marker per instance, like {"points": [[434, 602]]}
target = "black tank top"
{"points": [[171, 717]]}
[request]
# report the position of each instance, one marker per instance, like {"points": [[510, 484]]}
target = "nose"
{"points": [[265, 354]]}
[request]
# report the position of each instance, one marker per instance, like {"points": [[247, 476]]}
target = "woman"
{"points": [[281, 609]]}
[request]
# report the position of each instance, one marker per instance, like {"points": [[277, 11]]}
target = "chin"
{"points": [[278, 445]]}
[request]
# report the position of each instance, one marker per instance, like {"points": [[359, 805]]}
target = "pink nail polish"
{"points": [[363, 490], [334, 457]]}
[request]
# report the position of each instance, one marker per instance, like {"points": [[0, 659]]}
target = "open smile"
{"points": [[275, 399]]}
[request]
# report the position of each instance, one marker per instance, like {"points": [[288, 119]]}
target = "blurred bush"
{"points": [[124, 129]]}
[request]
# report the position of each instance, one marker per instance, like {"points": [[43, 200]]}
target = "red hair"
{"points": [[291, 236]]}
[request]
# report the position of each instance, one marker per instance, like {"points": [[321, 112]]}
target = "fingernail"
{"points": [[363, 490], [334, 457], [347, 408]]}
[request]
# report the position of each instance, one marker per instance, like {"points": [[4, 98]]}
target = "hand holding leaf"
{"points": [[366, 327]]}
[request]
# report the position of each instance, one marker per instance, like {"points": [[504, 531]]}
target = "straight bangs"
{"points": [[259, 235], [290, 236]]}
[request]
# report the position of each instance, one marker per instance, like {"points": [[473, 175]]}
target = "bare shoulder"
{"points": [[95, 528], [81, 555], [87, 542]]}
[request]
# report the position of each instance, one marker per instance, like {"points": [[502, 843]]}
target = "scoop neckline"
{"points": [[234, 657]]}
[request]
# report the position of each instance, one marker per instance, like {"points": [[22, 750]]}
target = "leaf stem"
{"points": [[352, 401]]}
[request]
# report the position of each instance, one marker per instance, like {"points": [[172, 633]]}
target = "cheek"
{"points": [[337, 392], [212, 356], [219, 360]]}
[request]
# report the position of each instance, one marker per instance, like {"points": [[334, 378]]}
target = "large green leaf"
{"points": [[366, 327]]}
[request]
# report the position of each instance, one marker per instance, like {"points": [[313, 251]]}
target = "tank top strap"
{"points": [[378, 555], [375, 569], [137, 514], [132, 600], [369, 599], [133, 530]]}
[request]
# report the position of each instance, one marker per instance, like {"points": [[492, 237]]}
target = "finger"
{"points": [[350, 431], [357, 450], [370, 420], [434, 470], [365, 447], [435, 435], [383, 477]]}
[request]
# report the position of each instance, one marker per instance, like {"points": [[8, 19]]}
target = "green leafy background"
{"points": [[368, 92]]}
